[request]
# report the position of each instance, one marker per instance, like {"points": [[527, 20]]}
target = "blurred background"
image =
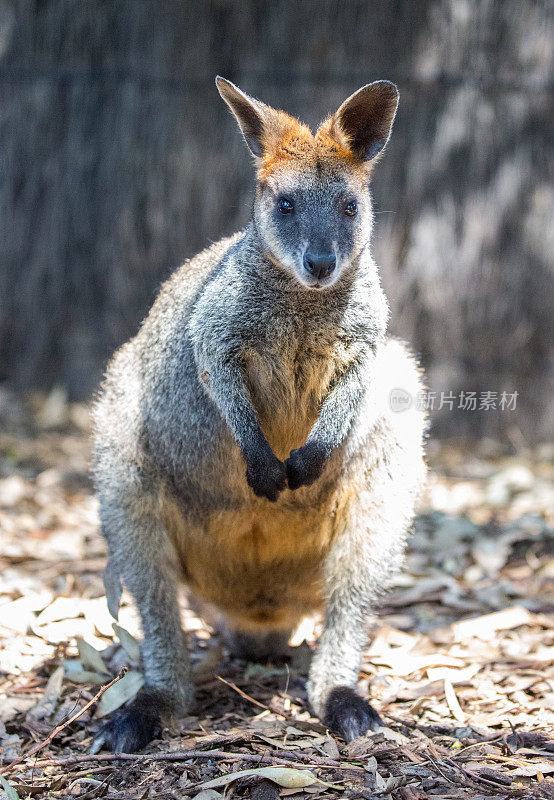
{"points": [[119, 160]]}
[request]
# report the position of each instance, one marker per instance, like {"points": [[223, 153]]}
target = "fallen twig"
{"points": [[185, 755], [475, 777], [63, 725], [243, 694]]}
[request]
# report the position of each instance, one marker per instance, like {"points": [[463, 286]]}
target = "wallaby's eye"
{"points": [[285, 205], [351, 208]]}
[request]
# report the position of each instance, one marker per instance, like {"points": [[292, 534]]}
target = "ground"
{"points": [[461, 665]]}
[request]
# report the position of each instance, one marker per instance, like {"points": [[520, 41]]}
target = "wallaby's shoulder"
{"points": [[186, 284], [164, 327]]}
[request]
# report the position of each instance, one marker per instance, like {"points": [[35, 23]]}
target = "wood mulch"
{"points": [[461, 664]]}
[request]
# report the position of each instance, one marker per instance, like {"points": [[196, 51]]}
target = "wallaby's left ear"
{"points": [[365, 119]]}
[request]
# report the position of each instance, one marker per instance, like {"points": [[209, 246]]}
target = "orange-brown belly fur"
{"points": [[260, 567]]}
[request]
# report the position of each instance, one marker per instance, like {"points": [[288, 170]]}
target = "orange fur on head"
{"points": [[289, 143], [278, 140], [350, 139]]}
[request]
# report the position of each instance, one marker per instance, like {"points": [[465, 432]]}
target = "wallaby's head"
{"points": [[313, 208]]}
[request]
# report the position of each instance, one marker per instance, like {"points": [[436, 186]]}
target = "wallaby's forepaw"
{"points": [[304, 466], [350, 715], [266, 477]]}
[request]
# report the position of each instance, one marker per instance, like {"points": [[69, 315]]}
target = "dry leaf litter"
{"points": [[461, 663]]}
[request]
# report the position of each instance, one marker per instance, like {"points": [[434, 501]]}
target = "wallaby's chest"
{"points": [[289, 372]]}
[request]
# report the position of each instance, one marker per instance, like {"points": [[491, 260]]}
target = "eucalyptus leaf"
{"points": [[47, 703], [286, 777], [11, 794], [120, 693], [90, 657], [75, 672], [128, 642], [114, 588]]}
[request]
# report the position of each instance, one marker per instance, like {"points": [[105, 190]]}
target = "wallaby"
{"points": [[245, 440]]}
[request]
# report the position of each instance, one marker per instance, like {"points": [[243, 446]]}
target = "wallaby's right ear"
{"points": [[249, 113]]}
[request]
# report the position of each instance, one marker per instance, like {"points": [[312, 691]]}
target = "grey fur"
{"points": [[243, 377]]}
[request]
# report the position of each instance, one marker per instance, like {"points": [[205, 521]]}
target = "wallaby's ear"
{"points": [[365, 119], [248, 112]]}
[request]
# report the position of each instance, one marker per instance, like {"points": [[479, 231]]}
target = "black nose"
{"points": [[320, 265]]}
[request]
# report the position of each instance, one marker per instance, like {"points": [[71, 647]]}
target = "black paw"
{"points": [[266, 477], [304, 466], [129, 729], [350, 715]]}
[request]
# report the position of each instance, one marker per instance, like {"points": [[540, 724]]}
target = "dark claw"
{"points": [[304, 466], [350, 715]]}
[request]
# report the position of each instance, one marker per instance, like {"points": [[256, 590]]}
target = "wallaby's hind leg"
{"points": [[142, 553], [272, 645], [358, 567]]}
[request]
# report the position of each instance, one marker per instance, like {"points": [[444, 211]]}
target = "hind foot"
{"points": [[131, 728], [349, 715]]}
